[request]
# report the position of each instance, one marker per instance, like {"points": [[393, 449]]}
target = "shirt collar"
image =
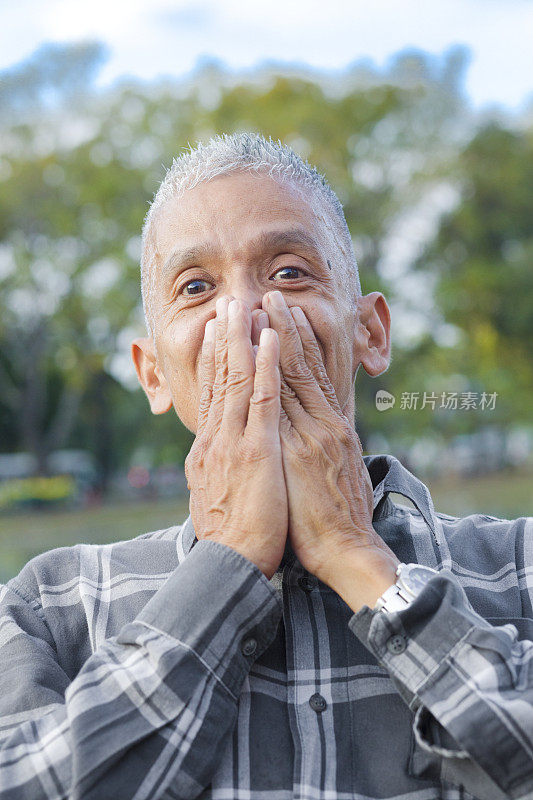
{"points": [[387, 475]]}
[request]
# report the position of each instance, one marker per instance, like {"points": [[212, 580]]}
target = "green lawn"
{"points": [[505, 494], [24, 535]]}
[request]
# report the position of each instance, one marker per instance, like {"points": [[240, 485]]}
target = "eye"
{"points": [[289, 270], [195, 286]]}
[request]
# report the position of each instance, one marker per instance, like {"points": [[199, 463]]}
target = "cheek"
{"points": [[181, 346], [332, 327], [180, 349]]}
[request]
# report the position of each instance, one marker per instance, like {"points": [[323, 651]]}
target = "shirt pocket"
{"points": [[460, 778]]}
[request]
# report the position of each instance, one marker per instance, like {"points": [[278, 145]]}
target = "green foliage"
{"points": [[481, 258], [78, 168]]}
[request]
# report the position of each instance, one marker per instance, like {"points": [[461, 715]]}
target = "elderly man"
{"points": [[300, 635]]}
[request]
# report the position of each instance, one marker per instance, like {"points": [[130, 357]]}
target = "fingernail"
{"points": [[262, 320], [210, 330], [233, 309], [276, 298], [266, 335], [299, 316]]}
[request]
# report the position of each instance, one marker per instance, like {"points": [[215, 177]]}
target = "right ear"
{"points": [[150, 376]]}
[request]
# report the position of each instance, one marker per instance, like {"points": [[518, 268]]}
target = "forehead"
{"points": [[232, 210]]}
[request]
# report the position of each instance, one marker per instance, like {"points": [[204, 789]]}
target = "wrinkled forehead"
{"points": [[234, 209]]}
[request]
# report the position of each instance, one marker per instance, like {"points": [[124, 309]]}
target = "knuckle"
{"points": [[345, 433], [221, 376], [308, 451], [220, 379], [288, 330], [326, 439], [286, 393], [238, 380], [295, 368], [253, 450], [321, 372], [206, 395], [221, 339], [213, 456], [334, 402], [262, 362], [221, 347], [263, 397]]}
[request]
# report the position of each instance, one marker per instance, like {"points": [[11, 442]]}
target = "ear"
{"points": [[372, 342], [150, 376]]}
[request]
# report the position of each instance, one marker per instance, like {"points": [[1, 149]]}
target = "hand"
{"points": [[234, 469], [329, 490]]}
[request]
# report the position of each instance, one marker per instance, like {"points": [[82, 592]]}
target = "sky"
{"points": [[148, 38]]}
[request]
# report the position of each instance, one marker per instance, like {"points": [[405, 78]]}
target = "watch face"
{"points": [[416, 577]]}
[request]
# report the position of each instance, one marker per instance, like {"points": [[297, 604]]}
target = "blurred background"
{"points": [[421, 117]]}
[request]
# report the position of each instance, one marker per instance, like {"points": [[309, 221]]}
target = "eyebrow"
{"points": [[271, 241]]}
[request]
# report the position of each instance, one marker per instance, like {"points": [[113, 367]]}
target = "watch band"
{"points": [[392, 598], [402, 593]]}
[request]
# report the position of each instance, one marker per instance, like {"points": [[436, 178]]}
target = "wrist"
{"points": [[362, 575], [267, 562]]}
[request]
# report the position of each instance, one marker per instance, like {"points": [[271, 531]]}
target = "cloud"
{"points": [[192, 17], [153, 37]]}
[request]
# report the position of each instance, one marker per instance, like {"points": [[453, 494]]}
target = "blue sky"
{"points": [[153, 37]]}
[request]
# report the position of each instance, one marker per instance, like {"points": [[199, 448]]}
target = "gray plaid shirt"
{"points": [[153, 668]]}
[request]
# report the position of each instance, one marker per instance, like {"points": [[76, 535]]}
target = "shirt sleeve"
{"points": [[469, 683], [150, 708]]}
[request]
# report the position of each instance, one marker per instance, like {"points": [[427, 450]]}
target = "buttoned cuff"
{"points": [[433, 650], [221, 606], [416, 646]]}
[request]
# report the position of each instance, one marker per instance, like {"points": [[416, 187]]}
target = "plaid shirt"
{"points": [[154, 669]]}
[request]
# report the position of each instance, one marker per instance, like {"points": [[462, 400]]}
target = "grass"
{"points": [[23, 536], [505, 494]]}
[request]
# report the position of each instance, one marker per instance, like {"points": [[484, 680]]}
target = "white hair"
{"points": [[241, 152]]}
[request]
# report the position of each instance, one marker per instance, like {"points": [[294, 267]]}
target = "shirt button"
{"points": [[248, 647], [317, 703], [307, 583], [396, 644]]}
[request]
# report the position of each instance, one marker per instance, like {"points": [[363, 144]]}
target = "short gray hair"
{"points": [[240, 152]]}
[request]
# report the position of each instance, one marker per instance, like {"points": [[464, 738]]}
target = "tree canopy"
{"points": [[438, 203]]}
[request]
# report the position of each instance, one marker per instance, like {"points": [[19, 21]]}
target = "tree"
{"points": [[77, 177], [480, 260]]}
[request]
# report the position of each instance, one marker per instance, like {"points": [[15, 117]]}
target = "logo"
{"points": [[384, 400]]}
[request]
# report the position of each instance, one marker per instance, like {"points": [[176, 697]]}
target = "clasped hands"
{"points": [[274, 455]]}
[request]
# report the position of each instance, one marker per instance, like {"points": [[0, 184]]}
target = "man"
{"points": [[275, 645]]}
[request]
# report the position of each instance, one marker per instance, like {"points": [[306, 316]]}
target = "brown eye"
{"points": [[289, 272], [195, 286]]}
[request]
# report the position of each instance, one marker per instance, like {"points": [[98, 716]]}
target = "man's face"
{"points": [[244, 235]]}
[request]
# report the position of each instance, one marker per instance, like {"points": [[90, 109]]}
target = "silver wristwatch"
{"points": [[410, 580]]}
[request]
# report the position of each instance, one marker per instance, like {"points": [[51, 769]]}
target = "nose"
{"points": [[250, 295]]}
